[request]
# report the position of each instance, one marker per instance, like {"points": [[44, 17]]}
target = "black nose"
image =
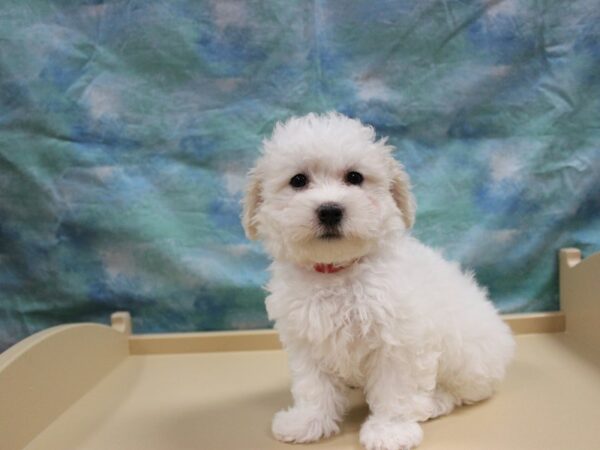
{"points": [[330, 214]]}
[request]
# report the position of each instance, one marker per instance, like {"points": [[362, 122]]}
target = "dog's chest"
{"points": [[337, 323], [346, 353]]}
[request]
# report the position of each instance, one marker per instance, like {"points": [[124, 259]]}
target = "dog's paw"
{"points": [[385, 434], [302, 425]]}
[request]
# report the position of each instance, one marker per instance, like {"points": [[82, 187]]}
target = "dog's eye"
{"points": [[354, 178], [299, 181]]}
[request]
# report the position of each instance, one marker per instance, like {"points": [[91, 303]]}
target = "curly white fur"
{"points": [[412, 329]]}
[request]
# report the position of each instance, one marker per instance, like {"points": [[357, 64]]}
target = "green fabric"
{"points": [[126, 129]]}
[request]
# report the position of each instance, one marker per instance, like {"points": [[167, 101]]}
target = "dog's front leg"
{"points": [[399, 393], [319, 403]]}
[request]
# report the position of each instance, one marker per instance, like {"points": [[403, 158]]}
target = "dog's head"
{"points": [[325, 190]]}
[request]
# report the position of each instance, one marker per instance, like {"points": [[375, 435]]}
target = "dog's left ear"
{"points": [[252, 200], [402, 194]]}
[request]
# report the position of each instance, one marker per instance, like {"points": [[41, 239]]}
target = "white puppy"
{"points": [[357, 301]]}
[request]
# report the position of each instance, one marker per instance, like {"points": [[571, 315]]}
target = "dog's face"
{"points": [[325, 191]]}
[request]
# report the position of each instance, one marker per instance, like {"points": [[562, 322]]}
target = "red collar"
{"points": [[330, 267]]}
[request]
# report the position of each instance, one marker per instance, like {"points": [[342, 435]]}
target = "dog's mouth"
{"points": [[330, 235]]}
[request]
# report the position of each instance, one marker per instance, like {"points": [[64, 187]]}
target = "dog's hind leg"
{"points": [[443, 402], [477, 373]]}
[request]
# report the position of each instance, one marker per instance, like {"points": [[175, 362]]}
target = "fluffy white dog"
{"points": [[357, 301]]}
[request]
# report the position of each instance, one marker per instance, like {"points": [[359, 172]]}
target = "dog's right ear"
{"points": [[252, 200]]}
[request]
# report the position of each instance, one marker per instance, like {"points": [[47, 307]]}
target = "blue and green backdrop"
{"points": [[127, 127]]}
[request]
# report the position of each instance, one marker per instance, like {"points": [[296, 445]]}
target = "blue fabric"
{"points": [[127, 128]]}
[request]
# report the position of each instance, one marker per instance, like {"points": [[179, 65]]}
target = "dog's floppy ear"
{"points": [[252, 199], [402, 194]]}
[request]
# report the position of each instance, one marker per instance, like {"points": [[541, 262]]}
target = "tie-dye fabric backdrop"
{"points": [[127, 128]]}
